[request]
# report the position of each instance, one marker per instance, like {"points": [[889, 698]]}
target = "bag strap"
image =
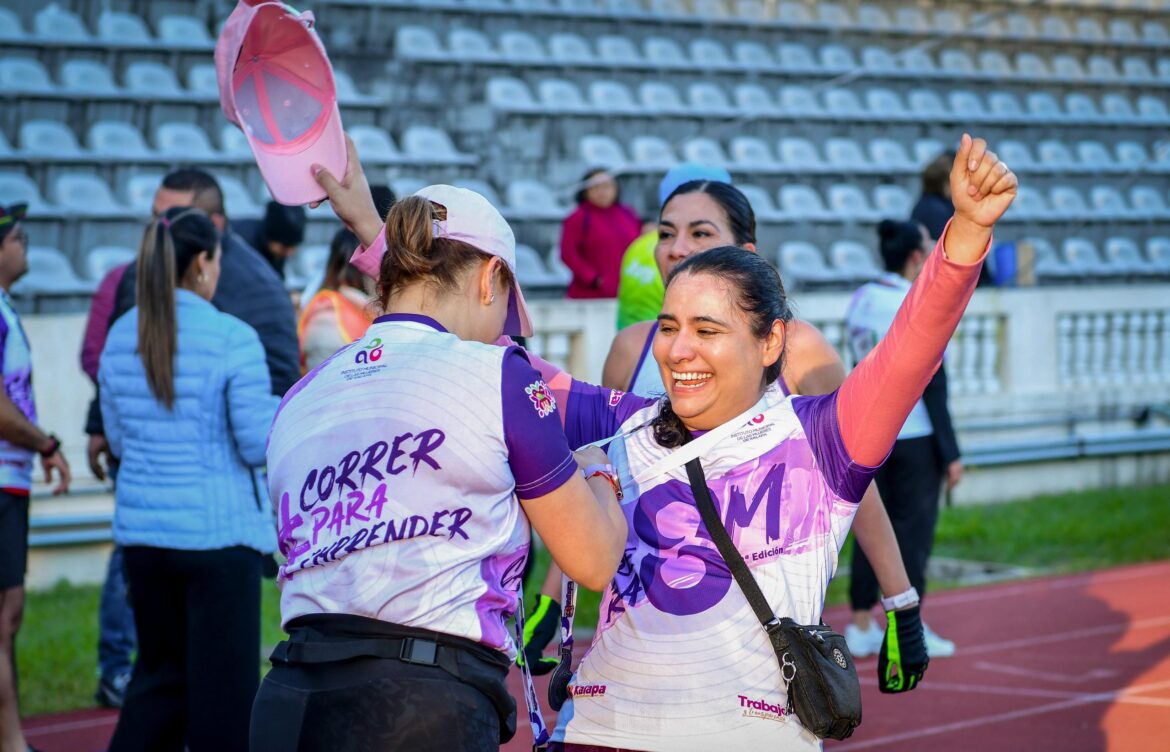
{"points": [[739, 570]]}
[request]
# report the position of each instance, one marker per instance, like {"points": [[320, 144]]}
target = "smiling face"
{"points": [[691, 223], [711, 358]]}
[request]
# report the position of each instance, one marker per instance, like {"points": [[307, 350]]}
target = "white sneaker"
{"points": [[937, 647], [864, 642]]}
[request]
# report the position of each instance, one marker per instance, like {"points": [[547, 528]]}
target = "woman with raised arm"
{"points": [[406, 469], [697, 216], [679, 661]]}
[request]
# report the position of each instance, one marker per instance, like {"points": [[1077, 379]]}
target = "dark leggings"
{"points": [[371, 704], [198, 619], [910, 483]]}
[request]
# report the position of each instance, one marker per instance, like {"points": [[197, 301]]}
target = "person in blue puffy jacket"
{"points": [[187, 403]]}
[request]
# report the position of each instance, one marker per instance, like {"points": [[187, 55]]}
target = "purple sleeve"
{"points": [[594, 413], [538, 452], [818, 417]]}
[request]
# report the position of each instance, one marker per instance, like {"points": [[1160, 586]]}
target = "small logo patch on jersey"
{"points": [[371, 353], [541, 397], [615, 397]]}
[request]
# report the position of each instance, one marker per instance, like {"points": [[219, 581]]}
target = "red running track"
{"points": [[1078, 663]]}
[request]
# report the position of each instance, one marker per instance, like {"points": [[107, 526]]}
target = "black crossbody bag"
{"points": [[815, 664]]}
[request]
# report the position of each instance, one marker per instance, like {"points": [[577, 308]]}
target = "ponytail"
{"points": [[415, 254], [168, 247], [669, 430]]}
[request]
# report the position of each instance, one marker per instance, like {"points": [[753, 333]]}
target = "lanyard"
{"points": [[535, 718]]}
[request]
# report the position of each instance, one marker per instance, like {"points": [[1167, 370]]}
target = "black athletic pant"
{"points": [[198, 666], [910, 484], [371, 704]]}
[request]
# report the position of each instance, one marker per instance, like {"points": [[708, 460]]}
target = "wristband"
{"points": [[605, 471], [54, 447], [901, 600]]}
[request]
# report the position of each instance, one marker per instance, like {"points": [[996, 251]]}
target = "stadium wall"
{"points": [[1053, 389]]}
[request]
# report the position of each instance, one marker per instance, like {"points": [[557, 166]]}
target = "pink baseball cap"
{"points": [[276, 84], [472, 219]]}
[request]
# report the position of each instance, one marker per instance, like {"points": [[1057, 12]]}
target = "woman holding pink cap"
{"points": [[405, 471]]}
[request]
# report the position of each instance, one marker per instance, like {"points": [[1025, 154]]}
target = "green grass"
{"points": [[57, 646]]}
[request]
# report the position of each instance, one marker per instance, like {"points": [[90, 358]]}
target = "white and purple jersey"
{"points": [[680, 661], [869, 315], [16, 462], [396, 467]]}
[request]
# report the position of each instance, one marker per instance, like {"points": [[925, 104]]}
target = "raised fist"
{"points": [[982, 187]]}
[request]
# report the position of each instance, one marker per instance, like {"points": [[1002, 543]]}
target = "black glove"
{"points": [[540, 627], [902, 660]]}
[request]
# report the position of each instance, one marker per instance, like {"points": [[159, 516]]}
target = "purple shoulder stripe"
{"points": [[818, 417]]}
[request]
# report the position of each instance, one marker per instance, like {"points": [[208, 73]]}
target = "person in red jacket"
{"points": [[596, 235]]}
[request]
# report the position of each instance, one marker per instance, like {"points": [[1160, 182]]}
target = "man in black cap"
{"points": [[277, 236], [20, 442]]}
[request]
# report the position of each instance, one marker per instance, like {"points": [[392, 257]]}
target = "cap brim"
{"points": [[289, 175], [518, 324]]}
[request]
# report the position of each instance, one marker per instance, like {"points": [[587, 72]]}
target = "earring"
{"points": [[492, 299], [202, 277]]}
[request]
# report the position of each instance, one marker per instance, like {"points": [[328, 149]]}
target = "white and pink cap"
{"points": [[276, 84], [471, 219]]}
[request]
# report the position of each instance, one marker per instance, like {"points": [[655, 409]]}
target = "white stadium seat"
{"points": [[652, 152], [374, 144], [54, 23], [87, 77], [122, 28], [185, 140], [562, 95], [612, 96], [151, 79], [16, 187], [20, 74], [802, 203], [103, 259], [602, 151], [533, 199], [114, 138], [892, 201], [48, 138], [86, 195], [50, 273], [798, 153], [708, 53], [417, 42], [184, 30]]}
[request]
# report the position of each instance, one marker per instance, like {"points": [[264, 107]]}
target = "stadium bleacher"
{"points": [[823, 112]]}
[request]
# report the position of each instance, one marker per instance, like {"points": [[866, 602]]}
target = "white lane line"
{"points": [[55, 728], [990, 689], [1029, 587], [1031, 673], [1012, 715], [1073, 634], [962, 725]]}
